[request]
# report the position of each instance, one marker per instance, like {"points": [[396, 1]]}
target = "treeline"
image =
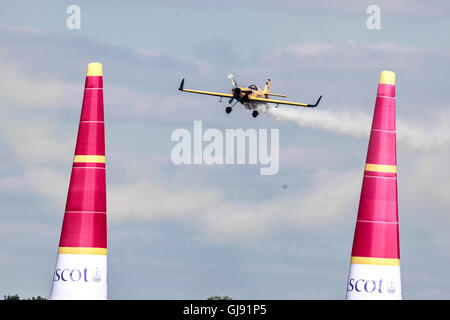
{"points": [[16, 297]]}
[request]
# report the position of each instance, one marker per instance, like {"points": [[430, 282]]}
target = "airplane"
{"points": [[251, 97]]}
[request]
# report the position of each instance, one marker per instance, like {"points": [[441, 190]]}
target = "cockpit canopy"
{"points": [[253, 87]]}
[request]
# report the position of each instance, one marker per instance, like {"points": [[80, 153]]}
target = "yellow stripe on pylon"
{"points": [[89, 158], [82, 250], [375, 261], [381, 168]]}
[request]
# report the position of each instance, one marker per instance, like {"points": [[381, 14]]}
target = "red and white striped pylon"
{"points": [[81, 267], [375, 260]]}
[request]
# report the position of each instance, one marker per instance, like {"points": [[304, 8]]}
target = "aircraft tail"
{"points": [[267, 87], [267, 91]]}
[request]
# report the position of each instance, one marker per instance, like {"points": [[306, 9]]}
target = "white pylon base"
{"points": [[80, 277], [374, 282]]}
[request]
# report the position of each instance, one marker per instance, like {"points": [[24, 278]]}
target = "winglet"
{"points": [[181, 85], [315, 105]]}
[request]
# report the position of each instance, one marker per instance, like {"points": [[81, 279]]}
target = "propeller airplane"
{"points": [[251, 97]]}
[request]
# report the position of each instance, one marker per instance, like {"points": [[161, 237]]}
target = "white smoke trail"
{"points": [[345, 123], [357, 124]]}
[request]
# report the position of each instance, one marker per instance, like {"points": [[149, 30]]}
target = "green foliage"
{"points": [[37, 298], [16, 297], [219, 298]]}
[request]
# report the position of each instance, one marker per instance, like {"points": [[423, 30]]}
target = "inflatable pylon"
{"points": [[81, 266], [375, 260]]}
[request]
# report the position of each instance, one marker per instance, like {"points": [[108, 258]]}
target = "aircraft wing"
{"points": [[277, 95], [286, 102], [218, 94]]}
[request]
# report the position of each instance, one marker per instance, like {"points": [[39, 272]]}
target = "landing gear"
{"points": [[230, 106], [255, 113]]}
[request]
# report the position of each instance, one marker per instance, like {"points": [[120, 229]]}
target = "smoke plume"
{"points": [[357, 124]]}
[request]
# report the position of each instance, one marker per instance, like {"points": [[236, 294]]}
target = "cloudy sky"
{"points": [[193, 231]]}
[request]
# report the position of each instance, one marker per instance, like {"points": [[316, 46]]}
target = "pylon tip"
{"points": [[387, 77], [94, 69]]}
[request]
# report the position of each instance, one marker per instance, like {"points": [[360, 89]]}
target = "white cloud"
{"points": [[302, 50], [144, 194], [332, 196], [350, 55], [12, 184], [49, 183], [400, 8], [20, 89], [38, 142], [434, 136], [393, 48], [426, 179], [152, 106]]}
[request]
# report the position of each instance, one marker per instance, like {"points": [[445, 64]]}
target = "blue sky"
{"points": [[191, 231]]}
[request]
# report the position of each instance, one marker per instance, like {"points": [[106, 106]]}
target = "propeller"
{"points": [[232, 80], [236, 91]]}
